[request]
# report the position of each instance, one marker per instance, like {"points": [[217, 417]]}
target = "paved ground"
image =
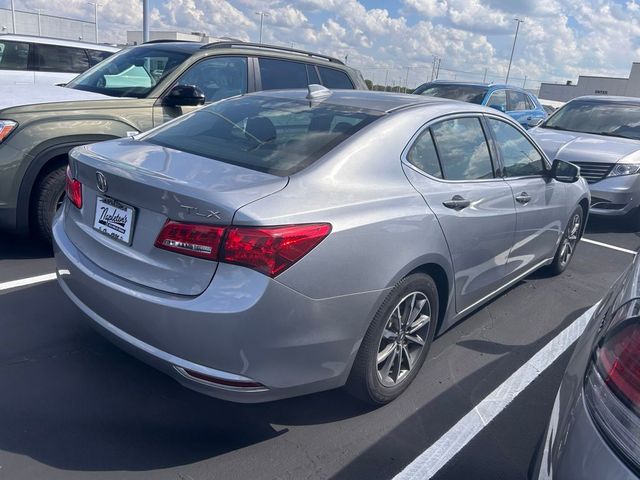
{"points": [[73, 406]]}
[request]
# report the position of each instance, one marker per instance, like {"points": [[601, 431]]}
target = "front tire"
{"points": [[568, 243], [397, 341], [48, 197]]}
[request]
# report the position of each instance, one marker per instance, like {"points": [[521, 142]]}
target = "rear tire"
{"points": [[397, 341], [568, 243], [47, 198]]}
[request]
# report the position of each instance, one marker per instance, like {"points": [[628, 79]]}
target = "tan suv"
{"points": [[132, 91]]}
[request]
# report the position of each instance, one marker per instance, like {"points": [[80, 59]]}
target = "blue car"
{"points": [[520, 104]]}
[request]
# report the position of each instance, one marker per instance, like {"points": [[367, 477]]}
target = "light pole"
{"points": [[145, 21], [262, 15], [13, 16], [96, 5], [513, 48]]}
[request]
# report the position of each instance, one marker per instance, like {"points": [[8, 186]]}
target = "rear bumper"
{"points": [[243, 326], [615, 195]]}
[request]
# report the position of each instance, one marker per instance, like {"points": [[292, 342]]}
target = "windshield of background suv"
{"points": [[612, 119], [268, 134], [464, 93], [130, 73]]}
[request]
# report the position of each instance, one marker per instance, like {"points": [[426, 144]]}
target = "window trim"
{"points": [[433, 121], [545, 160]]}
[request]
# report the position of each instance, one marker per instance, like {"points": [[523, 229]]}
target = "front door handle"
{"points": [[457, 203], [523, 198]]}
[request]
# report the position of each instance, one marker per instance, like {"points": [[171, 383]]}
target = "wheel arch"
{"points": [[46, 156]]}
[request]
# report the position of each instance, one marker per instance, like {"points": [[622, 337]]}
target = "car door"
{"points": [[218, 77], [453, 170], [539, 200], [517, 107]]}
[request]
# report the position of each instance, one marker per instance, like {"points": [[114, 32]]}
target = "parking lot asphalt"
{"points": [[74, 406]]}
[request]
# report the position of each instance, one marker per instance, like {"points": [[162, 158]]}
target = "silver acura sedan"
{"points": [[282, 243], [602, 136]]}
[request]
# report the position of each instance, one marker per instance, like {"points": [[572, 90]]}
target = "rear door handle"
{"points": [[523, 198], [457, 203]]}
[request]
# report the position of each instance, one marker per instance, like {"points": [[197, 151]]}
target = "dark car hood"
{"points": [[583, 147]]}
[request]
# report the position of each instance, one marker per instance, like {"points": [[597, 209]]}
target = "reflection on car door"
{"points": [[539, 200], [453, 170], [218, 77]]}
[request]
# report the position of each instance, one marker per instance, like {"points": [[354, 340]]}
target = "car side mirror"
{"points": [[534, 122], [498, 107], [184, 96], [564, 171]]}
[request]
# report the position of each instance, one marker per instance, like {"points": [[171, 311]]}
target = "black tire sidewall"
{"points": [[47, 193], [365, 371]]}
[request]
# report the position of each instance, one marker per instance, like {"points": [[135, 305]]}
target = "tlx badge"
{"points": [[201, 213]]}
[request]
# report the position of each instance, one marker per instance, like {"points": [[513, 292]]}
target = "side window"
{"points": [[96, 56], [277, 74], [53, 58], [517, 101], [312, 75], [519, 157], [463, 149], [423, 155], [14, 55], [332, 78], [530, 103], [218, 77], [498, 99]]}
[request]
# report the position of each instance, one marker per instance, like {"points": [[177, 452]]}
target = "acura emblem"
{"points": [[101, 182]]}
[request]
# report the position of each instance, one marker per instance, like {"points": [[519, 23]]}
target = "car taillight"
{"points": [[196, 240], [269, 250], [73, 189], [612, 387]]}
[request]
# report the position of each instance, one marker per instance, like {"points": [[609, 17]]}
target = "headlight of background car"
{"points": [[624, 169], [6, 127]]}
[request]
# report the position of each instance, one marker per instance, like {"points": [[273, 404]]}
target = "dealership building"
{"points": [[591, 85]]}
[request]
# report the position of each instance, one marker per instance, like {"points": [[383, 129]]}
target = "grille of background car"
{"points": [[594, 172]]}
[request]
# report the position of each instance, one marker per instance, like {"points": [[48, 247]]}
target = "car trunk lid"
{"points": [[159, 184]]}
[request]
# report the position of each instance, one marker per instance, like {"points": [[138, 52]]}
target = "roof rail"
{"points": [[166, 40], [277, 48]]}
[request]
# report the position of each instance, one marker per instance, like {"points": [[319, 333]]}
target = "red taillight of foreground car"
{"points": [[612, 388], [73, 189], [618, 362], [202, 241], [269, 250]]}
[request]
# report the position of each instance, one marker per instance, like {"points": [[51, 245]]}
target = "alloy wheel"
{"points": [[570, 239], [403, 338]]}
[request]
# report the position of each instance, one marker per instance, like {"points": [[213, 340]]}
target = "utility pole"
{"points": [[513, 48], [145, 21], [39, 23], [525, 81], [438, 67], [13, 15], [406, 80], [386, 78], [484, 79], [96, 5], [262, 15]]}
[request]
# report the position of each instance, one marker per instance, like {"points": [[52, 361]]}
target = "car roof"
{"points": [[383, 102], [608, 99], [478, 84], [57, 41]]}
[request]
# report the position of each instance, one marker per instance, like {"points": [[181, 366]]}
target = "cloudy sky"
{"points": [[559, 39]]}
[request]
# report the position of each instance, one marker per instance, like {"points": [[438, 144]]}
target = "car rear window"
{"points": [[464, 93], [268, 134]]}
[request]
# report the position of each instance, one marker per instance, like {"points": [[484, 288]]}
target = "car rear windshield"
{"points": [[464, 93], [132, 72], [600, 118], [268, 134]]}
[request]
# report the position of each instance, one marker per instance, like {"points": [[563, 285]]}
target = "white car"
{"points": [[29, 60]]}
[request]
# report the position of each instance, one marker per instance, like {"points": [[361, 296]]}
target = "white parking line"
{"points": [[429, 462], [27, 281], [606, 245]]}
